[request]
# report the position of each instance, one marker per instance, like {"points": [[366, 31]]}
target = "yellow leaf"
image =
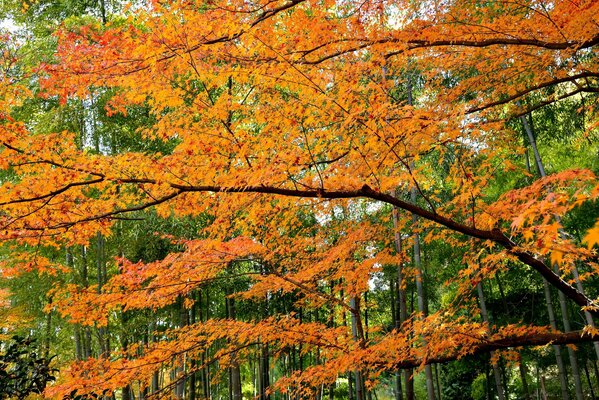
{"points": [[592, 236], [557, 257]]}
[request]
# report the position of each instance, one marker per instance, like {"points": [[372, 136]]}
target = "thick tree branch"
{"points": [[573, 78], [494, 235], [414, 44], [541, 339], [506, 41], [53, 193]]}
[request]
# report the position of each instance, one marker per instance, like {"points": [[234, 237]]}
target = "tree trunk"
{"points": [[155, 384], [355, 328], [588, 376], [437, 367], [264, 373], [103, 11], [571, 353], [193, 363], [397, 387], [264, 364], [87, 337], [523, 376], [430, 390], [78, 346], [205, 371], [540, 167], [543, 390], [563, 380], [76, 327], [594, 362], [484, 315], [235, 372], [48, 334], [575, 373], [125, 390], [401, 306], [101, 277]]}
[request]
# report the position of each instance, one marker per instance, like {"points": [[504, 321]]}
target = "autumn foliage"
{"points": [[292, 130]]}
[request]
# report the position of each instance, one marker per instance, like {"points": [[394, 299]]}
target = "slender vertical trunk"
{"points": [[144, 389], [487, 383], [504, 379], [264, 372], [87, 346], [483, 313], [588, 376], [393, 301], [430, 390], [87, 337], [366, 315], [76, 327], [349, 374], [104, 347], [571, 353], [366, 391], [207, 390], [437, 368], [48, 334], [523, 376], [255, 377], [501, 291], [193, 363], [355, 306], [587, 315], [556, 348], [533, 144], [539, 162], [504, 302], [543, 390], [527, 161], [264, 375], [101, 277], [235, 372], [155, 383], [179, 319], [595, 369], [78, 346], [397, 388], [522, 365], [103, 11], [125, 390], [401, 308], [538, 378], [560, 366]]}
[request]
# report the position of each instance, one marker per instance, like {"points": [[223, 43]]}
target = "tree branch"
{"points": [[541, 339]]}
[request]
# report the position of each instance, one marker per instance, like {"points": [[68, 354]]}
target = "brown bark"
{"points": [[486, 346]]}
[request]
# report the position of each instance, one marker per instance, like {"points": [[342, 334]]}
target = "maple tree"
{"points": [[310, 143]]}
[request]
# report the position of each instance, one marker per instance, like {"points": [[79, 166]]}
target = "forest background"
{"points": [[300, 199]]}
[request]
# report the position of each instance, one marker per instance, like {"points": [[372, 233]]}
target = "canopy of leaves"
{"points": [[287, 155]]}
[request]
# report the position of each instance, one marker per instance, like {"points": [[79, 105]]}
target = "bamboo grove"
{"points": [[300, 199]]}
